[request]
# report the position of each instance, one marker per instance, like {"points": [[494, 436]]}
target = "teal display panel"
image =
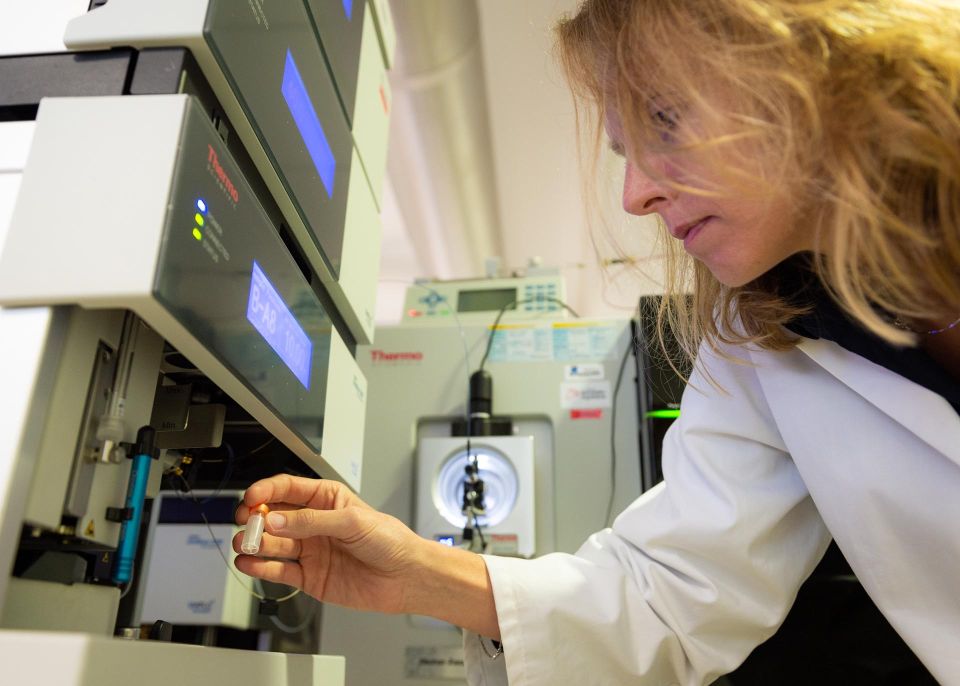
{"points": [[226, 276], [272, 58]]}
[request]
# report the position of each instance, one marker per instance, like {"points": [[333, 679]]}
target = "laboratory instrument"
{"points": [[505, 468], [553, 379], [477, 301], [194, 533], [267, 65], [205, 267], [185, 272]]}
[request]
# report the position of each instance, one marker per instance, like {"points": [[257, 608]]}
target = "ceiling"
{"points": [[498, 55]]}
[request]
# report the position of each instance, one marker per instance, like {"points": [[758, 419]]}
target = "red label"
{"points": [[221, 174], [586, 414], [380, 356]]}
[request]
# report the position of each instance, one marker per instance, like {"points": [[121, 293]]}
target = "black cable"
{"points": [[277, 622], [479, 530], [468, 413], [486, 353], [613, 432], [262, 446], [230, 568], [470, 510], [231, 459], [514, 304]]}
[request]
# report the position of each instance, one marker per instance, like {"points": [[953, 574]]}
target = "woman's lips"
{"points": [[690, 235]]}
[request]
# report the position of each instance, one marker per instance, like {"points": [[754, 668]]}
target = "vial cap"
{"points": [[261, 508]]}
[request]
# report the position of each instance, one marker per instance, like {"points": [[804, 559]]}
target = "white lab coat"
{"points": [[808, 443]]}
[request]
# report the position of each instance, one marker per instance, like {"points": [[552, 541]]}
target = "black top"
{"points": [[827, 320]]}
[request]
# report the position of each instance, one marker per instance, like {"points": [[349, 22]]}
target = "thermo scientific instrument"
{"points": [[478, 301], [555, 392], [267, 65], [185, 273]]}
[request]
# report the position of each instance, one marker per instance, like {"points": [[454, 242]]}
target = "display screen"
{"points": [[308, 123], [488, 300], [279, 328]]}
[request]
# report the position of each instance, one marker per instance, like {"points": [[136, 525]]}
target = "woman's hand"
{"points": [[323, 539]]}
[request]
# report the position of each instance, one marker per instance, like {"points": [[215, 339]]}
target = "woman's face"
{"points": [[737, 235]]}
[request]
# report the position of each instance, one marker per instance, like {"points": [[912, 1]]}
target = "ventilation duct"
{"points": [[440, 162]]}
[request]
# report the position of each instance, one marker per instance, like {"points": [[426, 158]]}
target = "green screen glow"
{"points": [[662, 414]]}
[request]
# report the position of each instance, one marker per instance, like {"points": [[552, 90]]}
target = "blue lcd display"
{"points": [[348, 8], [279, 328], [308, 123]]}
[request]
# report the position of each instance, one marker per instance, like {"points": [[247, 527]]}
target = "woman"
{"points": [[805, 157]]}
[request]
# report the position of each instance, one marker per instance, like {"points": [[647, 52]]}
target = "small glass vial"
{"points": [[254, 531]]}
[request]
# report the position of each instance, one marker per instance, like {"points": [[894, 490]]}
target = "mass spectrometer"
{"points": [[559, 436]]}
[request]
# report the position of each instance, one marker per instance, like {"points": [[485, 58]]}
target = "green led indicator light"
{"points": [[198, 218], [662, 414], [196, 233]]}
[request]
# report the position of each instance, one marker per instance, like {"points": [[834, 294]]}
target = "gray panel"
{"points": [[339, 24], [79, 607], [255, 44], [71, 659], [25, 79], [89, 446], [206, 282]]}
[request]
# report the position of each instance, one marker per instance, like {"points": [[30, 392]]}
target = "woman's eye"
{"points": [[665, 122], [666, 118]]}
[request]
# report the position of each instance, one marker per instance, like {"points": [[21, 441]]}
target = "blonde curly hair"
{"points": [[853, 107]]}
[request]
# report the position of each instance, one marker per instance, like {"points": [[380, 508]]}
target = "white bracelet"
{"points": [[494, 655]]}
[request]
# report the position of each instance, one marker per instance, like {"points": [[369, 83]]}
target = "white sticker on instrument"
{"points": [[585, 394], [434, 662], [585, 371]]}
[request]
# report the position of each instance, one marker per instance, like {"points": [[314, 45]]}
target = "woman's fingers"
{"points": [[272, 546], [297, 491], [285, 488], [346, 524], [243, 511], [279, 571]]}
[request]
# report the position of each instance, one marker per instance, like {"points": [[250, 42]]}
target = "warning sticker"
{"points": [[595, 413], [578, 340], [522, 344], [568, 341], [583, 395]]}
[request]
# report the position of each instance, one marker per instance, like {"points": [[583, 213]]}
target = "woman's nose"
{"points": [[643, 195]]}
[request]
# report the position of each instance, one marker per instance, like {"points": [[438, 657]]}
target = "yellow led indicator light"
{"points": [[199, 219], [196, 233]]}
